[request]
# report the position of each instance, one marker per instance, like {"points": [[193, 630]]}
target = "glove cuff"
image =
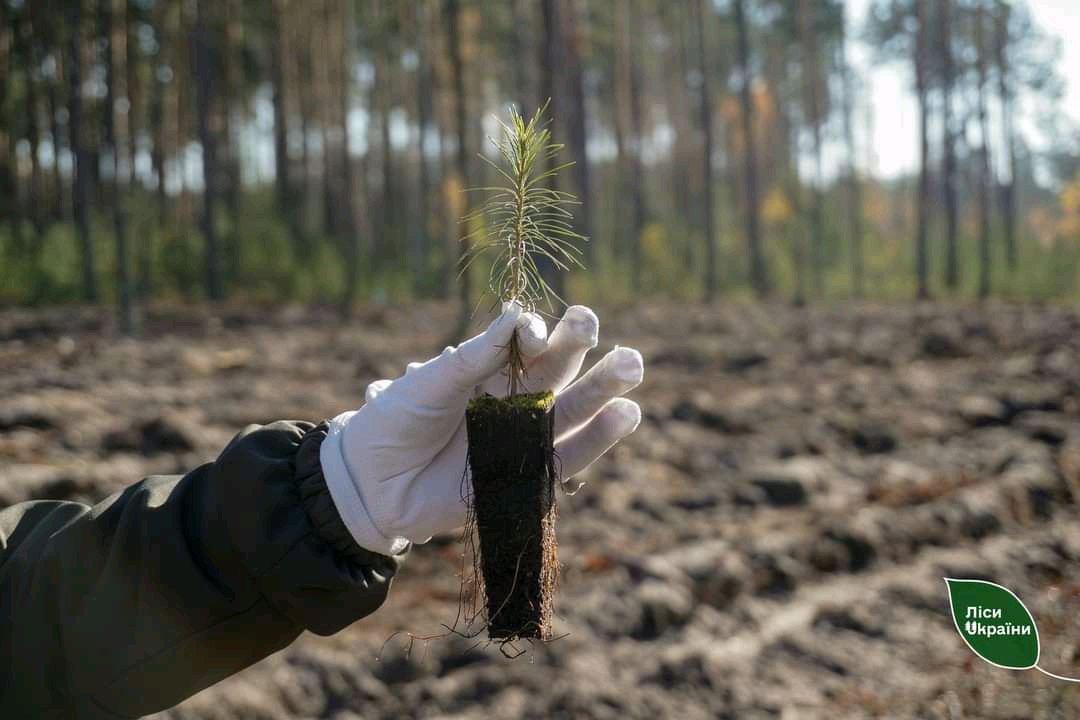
{"points": [[347, 497]]}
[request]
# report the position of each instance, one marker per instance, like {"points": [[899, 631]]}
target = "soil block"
{"points": [[512, 458]]}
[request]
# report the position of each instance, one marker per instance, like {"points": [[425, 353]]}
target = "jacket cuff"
{"points": [[331, 519], [346, 496]]}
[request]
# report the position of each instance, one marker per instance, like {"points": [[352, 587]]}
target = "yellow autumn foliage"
{"points": [[776, 209], [1069, 201], [764, 116], [660, 262], [454, 192]]}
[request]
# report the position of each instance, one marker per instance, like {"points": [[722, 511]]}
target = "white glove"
{"points": [[394, 467]]}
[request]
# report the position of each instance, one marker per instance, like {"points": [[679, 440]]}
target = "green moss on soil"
{"points": [[486, 403]]}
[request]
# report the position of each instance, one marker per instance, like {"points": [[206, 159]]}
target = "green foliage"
{"points": [[261, 262], [661, 255], [264, 263], [522, 220]]}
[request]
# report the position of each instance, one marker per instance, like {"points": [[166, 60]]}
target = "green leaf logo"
{"points": [[994, 623]]}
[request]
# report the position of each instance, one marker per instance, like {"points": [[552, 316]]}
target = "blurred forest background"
{"points": [[220, 178], [319, 150]]}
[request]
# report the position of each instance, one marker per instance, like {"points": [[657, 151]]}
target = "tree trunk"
{"points": [[351, 239], [811, 71], [620, 60], [782, 150], [448, 194], [794, 187], [759, 276], [389, 232], [685, 124], [158, 153], [144, 282], [181, 114], [551, 69], [325, 101], [132, 81], [637, 121], [420, 246], [203, 91], [7, 159], [1008, 144], [311, 186], [143, 235], [921, 249], [681, 121], [524, 92], [452, 11], [984, 152], [232, 59], [32, 110], [282, 181], [570, 31], [16, 216], [711, 282], [855, 209], [948, 147], [53, 98], [112, 16], [79, 185]]}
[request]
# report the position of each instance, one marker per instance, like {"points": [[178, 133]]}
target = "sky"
{"points": [[894, 150]]}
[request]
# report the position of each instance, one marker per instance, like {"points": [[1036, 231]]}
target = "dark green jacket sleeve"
{"points": [[128, 607]]}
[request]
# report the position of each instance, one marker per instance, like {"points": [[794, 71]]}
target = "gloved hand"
{"points": [[394, 467]]}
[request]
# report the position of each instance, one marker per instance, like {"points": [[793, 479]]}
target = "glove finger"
{"points": [[446, 381], [375, 389], [480, 357], [532, 335], [616, 420], [532, 338], [618, 372], [571, 339]]}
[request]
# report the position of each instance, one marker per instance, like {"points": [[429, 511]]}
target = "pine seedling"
{"points": [[521, 224], [521, 221]]}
